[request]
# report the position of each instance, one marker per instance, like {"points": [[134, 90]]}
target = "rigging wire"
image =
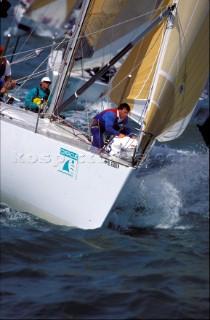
{"points": [[109, 90], [37, 73], [33, 55]]}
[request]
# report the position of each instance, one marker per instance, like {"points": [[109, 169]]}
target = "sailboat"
{"points": [[49, 18], [50, 168]]}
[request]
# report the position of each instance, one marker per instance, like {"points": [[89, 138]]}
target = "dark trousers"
{"points": [[97, 133]]}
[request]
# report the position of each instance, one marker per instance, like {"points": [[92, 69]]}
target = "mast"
{"points": [[68, 59], [127, 48]]}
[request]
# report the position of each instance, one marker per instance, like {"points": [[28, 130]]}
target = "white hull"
{"points": [[42, 173]]}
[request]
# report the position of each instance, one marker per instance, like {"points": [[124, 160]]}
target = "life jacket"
{"points": [[108, 110], [37, 100], [100, 115], [3, 67]]}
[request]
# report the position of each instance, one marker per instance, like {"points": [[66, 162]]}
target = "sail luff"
{"points": [[140, 67], [181, 74]]}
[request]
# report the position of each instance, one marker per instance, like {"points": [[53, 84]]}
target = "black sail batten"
{"points": [[127, 48]]}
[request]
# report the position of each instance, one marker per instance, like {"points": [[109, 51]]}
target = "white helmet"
{"points": [[46, 79]]}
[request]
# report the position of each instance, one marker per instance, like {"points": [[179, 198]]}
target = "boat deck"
{"points": [[58, 130]]}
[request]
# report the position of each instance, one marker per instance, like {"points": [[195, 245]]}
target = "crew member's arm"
{"points": [[109, 119], [9, 85]]}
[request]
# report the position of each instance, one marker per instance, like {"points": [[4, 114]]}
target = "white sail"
{"points": [[45, 18]]}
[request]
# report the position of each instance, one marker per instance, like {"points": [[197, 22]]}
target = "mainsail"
{"points": [[118, 56], [111, 24]]}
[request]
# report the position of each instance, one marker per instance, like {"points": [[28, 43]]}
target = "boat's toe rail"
{"points": [[65, 134], [18, 116], [42, 125], [66, 130]]}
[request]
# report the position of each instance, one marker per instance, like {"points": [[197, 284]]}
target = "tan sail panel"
{"points": [[183, 73], [133, 80]]}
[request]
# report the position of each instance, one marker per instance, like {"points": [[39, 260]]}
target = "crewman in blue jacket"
{"points": [[111, 121], [38, 98]]}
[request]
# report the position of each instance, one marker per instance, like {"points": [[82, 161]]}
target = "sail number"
{"points": [[112, 164]]}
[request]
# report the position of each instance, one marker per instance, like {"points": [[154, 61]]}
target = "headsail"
{"points": [[133, 81], [171, 74], [188, 68]]}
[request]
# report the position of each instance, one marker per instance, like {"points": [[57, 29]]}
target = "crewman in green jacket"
{"points": [[38, 98]]}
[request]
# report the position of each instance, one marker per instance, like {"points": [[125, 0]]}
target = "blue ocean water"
{"points": [[152, 262]]}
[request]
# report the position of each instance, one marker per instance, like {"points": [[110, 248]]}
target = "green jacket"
{"points": [[35, 93]]}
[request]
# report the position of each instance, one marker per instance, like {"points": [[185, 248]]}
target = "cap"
{"points": [[46, 79]]}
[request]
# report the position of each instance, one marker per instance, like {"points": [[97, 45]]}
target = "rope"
{"points": [[30, 55]]}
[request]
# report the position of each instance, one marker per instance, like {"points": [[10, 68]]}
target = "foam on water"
{"points": [[165, 193], [17, 219], [10, 217]]}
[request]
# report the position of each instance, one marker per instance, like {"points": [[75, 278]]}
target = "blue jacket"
{"points": [[37, 92], [2, 82], [111, 123]]}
